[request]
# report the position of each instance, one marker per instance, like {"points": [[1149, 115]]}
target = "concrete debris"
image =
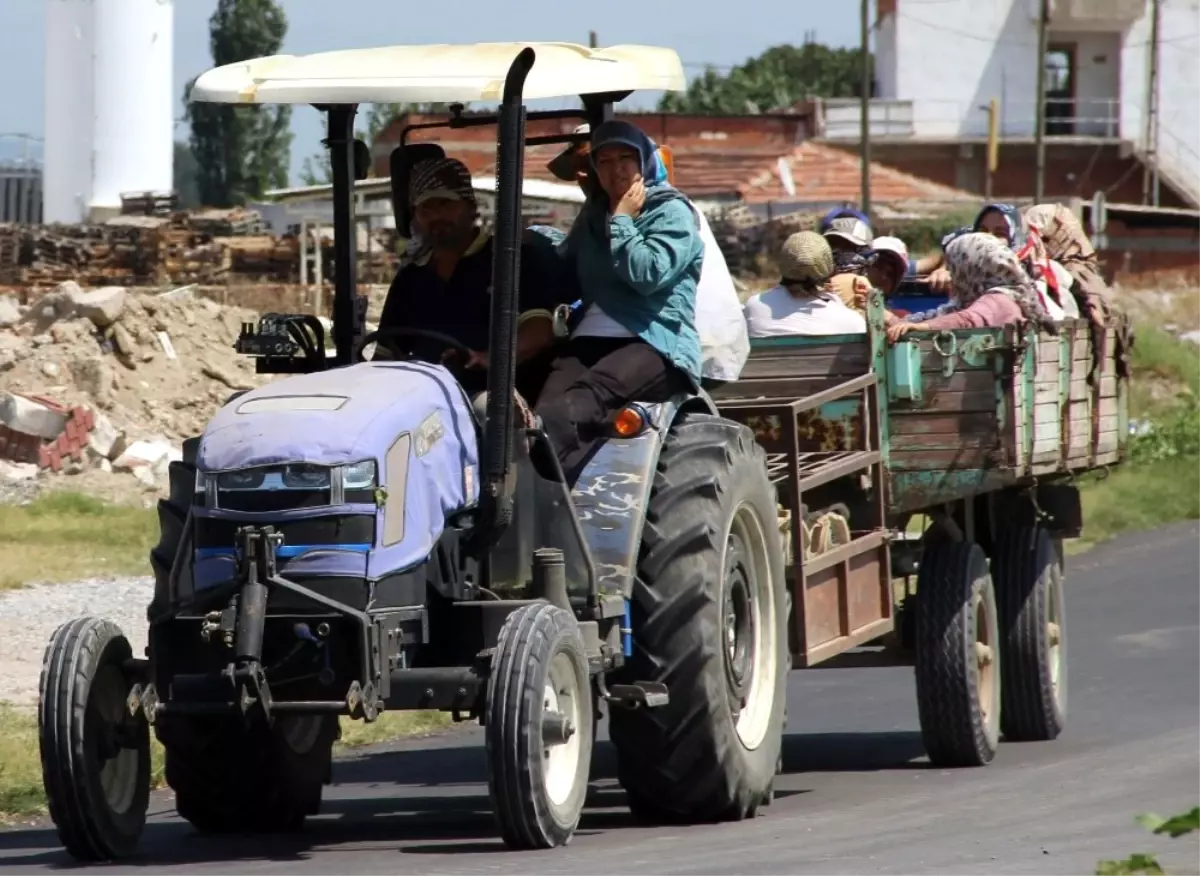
{"points": [[10, 311], [151, 455], [101, 306], [31, 417], [15, 472], [105, 384], [105, 439]]}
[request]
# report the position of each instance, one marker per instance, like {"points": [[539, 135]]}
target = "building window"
{"points": [[1060, 90]]}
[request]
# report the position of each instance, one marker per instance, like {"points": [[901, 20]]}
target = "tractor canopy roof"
{"points": [[439, 74]]}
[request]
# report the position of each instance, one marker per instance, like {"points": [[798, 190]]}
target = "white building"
{"points": [[940, 62], [110, 104]]}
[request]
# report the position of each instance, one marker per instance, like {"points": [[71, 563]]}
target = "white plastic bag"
{"points": [[724, 338]]}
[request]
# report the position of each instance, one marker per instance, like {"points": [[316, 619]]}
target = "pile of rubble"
{"points": [[105, 384]]}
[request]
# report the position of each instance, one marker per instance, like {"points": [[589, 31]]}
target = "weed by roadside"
{"points": [[64, 536]]}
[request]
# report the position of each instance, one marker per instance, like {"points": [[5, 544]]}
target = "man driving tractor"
{"points": [[447, 289]]}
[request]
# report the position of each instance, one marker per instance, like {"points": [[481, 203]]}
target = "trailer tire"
{"points": [[540, 668], [232, 778], [95, 756], [1033, 643], [957, 666], [719, 642], [172, 517]]}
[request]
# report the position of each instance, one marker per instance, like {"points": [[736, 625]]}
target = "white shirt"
{"points": [[779, 312]]}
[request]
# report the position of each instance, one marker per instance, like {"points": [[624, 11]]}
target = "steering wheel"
{"points": [[388, 334]]}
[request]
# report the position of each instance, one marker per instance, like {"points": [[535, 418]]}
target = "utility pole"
{"points": [[1039, 185], [1150, 148], [865, 24]]}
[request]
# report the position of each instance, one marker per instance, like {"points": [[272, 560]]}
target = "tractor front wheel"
{"points": [[539, 727], [95, 754]]}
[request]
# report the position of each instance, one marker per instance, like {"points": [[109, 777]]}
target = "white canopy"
{"points": [[439, 74]]}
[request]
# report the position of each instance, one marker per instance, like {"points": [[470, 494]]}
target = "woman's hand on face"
{"points": [[632, 201]]}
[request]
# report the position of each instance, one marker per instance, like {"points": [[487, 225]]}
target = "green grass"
{"points": [[22, 796], [1159, 482], [63, 536]]}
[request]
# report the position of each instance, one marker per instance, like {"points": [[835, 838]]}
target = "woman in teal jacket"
{"points": [[635, 251]]}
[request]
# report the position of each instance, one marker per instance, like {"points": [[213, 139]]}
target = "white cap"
{"points": [[850, 229], [893, 245]]}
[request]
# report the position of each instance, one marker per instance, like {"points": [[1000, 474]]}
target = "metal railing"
{"points": [[839, 119]]}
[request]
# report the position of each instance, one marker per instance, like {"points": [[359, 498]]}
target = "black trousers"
{"points": [[590, 380]]}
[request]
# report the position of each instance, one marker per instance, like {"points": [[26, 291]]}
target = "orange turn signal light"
{"points": [[628, 422]]}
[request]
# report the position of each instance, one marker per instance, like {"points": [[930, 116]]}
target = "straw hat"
{"points": [[806, 258]]}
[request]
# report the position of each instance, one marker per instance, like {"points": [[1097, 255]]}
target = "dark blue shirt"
{"points": [[461, 306]]}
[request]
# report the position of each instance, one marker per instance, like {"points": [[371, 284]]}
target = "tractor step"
{"points": [[649, 694]]}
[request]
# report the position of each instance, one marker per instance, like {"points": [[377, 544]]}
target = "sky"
{"points": [[701, 31]]}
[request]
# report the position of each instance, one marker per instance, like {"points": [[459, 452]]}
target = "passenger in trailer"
{"points": [[991, 288], [1054, 283], [803, 303], [1068, 245], [446, 288], [848, 233]]}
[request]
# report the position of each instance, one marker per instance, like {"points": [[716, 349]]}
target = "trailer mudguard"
{"points": [[611, 494]]}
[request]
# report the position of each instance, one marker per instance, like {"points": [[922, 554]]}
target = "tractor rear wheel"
{"points": [[957, 661], [95, 754], [709, 617], [539, 727], [232, 778]]}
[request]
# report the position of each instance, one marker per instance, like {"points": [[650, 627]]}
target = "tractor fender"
{"points": [[611, 493]]}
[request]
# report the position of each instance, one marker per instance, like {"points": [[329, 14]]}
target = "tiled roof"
{"points": [[825, 174], [716, 158]]}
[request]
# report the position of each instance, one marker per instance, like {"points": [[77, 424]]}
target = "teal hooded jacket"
{"points": [[642, 271]]}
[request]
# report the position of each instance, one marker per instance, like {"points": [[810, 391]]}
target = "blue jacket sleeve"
{"points": [[656, 250]]}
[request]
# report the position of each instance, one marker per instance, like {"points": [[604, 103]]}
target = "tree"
{"points": [[776, 80], [317, 170], [186, 189], [240, 151]]}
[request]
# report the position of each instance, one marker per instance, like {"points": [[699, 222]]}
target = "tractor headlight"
{"points": [[304, 476], [246, 479], [361, 475]]}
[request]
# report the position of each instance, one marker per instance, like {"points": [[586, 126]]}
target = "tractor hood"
{"points": [[335, 417]]}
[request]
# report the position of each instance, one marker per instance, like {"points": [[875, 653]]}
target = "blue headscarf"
{"points": [[654, 172], [1018, 231]]}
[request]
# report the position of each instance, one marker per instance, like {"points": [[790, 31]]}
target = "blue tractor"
{"points": [[355, 537]]}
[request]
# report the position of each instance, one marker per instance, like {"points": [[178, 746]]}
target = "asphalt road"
{"points": [[858, 795]]}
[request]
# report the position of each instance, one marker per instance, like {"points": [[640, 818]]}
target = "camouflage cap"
{"points": [[806, 258]]}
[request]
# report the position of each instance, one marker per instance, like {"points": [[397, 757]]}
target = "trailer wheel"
{"points": [[1033, 649], [957, 666], [95, 755], [539, 727], [709, 612], [172, 515], [232, 778]]}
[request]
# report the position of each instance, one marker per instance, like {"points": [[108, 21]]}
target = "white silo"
{"points": [[67, 149], [133, 137], [110, 104]]}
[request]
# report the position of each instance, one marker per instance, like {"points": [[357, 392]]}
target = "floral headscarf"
{"points": [[1024, 240], [980, 263]]}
